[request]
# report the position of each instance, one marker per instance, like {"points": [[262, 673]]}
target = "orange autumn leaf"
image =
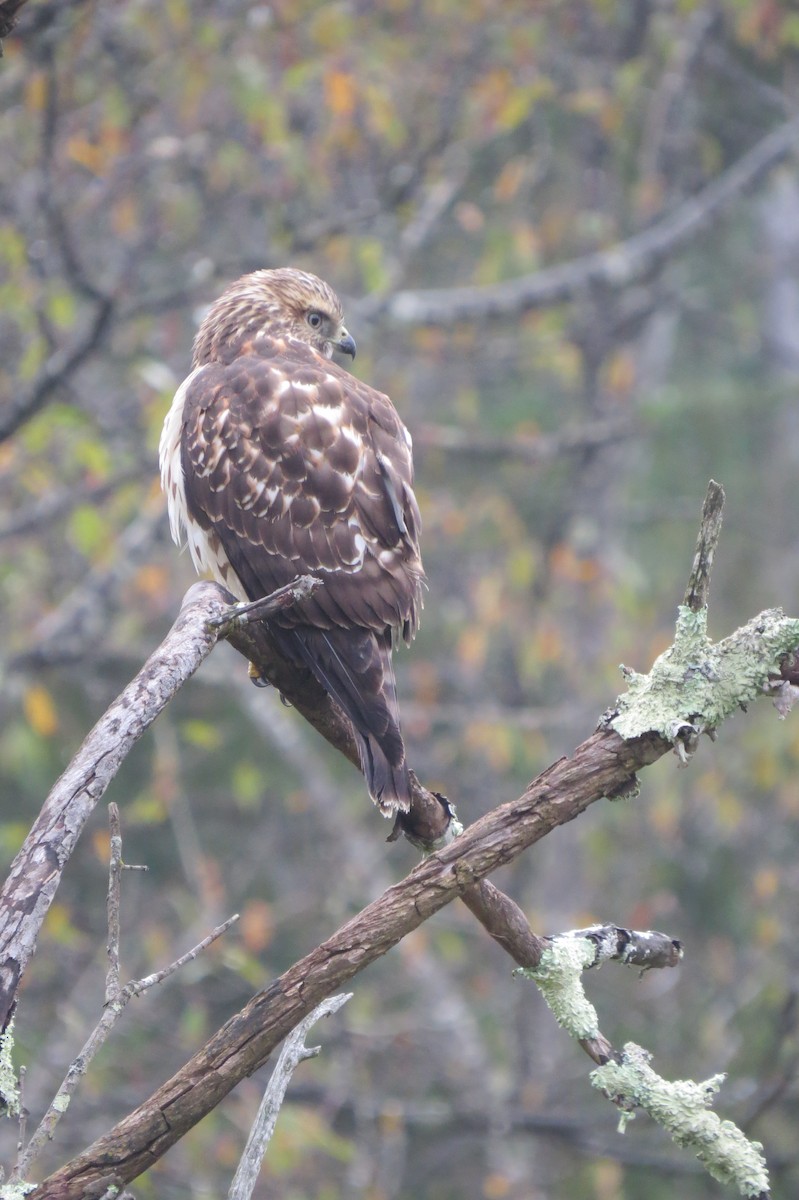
{"points": [[40, 711], [340, 93]]}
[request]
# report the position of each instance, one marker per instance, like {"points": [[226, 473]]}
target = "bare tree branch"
{"points": [[112, 1011], [543, 447], [66, 632], [293, 1053], [616, 268], [36, 870], [690, 37], [58, 369]]}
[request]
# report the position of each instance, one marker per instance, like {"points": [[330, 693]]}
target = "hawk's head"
{"points": [[284, 303]]}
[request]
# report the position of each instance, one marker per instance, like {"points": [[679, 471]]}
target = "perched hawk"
{"points": [[279, 463]]}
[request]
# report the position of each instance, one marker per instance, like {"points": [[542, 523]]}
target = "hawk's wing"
{"points": [[290, 466], [299, 468]]}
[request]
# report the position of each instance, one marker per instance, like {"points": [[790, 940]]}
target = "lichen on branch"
{"points": [[9, 1087], [697, 684], [558, 977], [682, 1107]]}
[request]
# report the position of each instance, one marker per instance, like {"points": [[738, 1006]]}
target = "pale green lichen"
{"points": [[16, 1190], [9, 1090], [696, 684], [559, 979], [681, 1106]]}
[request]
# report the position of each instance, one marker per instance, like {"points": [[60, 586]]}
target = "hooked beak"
{"points": [[346, 344]]}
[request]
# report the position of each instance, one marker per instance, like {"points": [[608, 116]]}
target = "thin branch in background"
{"points": [[58, 370], [718, 56], [66, 633], [59, 502], [368, 874], [62, 363], [527, 717], [36, 871], [543, 447], [689, 42], [115, 868], [116, 999], [293, 1053], [616, 268], [112, 985], [167, 771], [22, 1128]]}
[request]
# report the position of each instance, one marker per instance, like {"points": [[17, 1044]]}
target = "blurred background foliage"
{"points": [[152, 151]]}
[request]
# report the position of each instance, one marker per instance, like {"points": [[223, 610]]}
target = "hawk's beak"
{"points": [[346, 344]]}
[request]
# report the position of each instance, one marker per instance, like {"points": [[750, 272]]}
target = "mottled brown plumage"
{"points": [[279, 463]]}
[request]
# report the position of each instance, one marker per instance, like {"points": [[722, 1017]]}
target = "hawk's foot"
{"points": [[255, 676]]}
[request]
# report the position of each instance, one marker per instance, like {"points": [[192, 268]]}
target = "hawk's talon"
{"points": [[256, 677]]}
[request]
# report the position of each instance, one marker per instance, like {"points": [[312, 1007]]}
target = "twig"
{"points": [[111, 1013], [293, 1053], [697, 592], [112, 904], [22, 1128], [137, 986], [115, 868], [682, 1107], [646, 949], [587, 948]]}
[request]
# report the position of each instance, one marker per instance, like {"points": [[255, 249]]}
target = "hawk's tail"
{"points": [[354, 666]]}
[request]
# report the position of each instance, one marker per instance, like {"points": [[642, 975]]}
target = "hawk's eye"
{"points": [[314, 319]]}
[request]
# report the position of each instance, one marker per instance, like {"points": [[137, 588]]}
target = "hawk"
{"points": [[276, 462]]}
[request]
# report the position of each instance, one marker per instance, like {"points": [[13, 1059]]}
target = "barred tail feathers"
{"points": [[354, 666]]}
